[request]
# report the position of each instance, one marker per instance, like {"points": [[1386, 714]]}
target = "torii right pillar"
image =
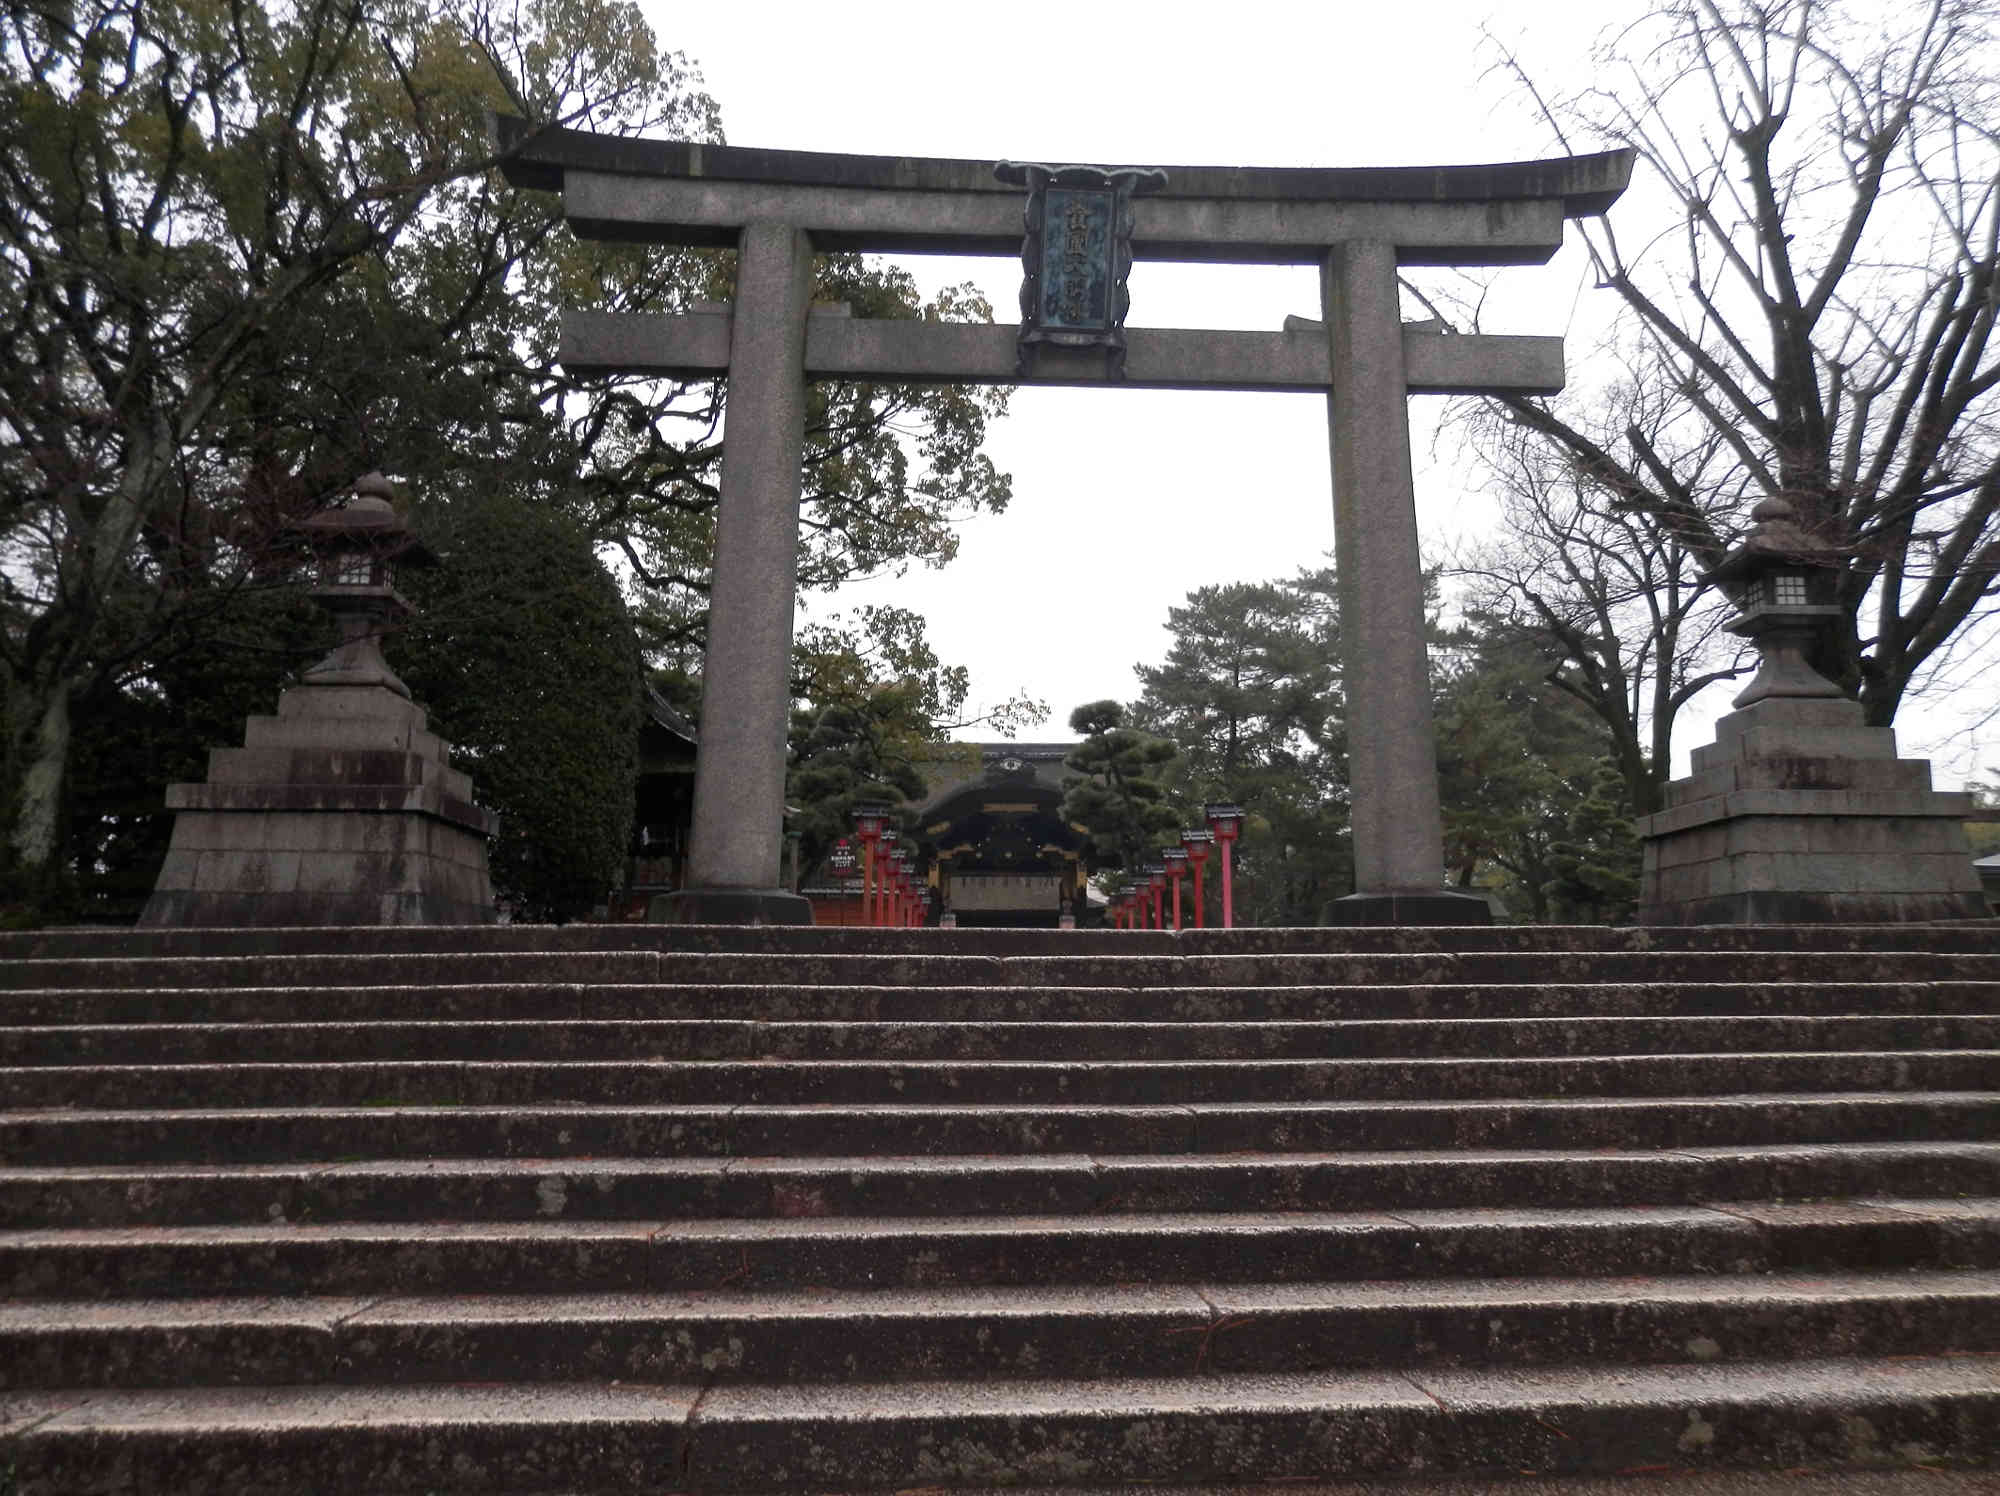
{"points": [[1392, 752]]}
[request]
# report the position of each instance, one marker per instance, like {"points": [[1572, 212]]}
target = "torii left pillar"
{"points": [[739, 775]]}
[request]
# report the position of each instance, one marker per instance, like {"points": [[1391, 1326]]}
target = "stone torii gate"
{"points": [[1358, 225]]}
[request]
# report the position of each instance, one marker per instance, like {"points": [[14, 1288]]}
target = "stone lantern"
{"points": [[1785, 582], [356, 549], [343, 809], [1800, 812]]}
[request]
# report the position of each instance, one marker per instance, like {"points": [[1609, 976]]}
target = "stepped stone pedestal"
{"points": [[340, 810], [1800, 814]]}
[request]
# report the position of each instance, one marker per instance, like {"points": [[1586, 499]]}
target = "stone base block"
{"points": [[345, 811], [1767, 831], [357, 867], [729, 906], [1444, 906], [193, 909], [1775, 907]]}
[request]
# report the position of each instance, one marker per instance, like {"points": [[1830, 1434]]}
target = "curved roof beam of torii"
{"points": [[678, 192]]}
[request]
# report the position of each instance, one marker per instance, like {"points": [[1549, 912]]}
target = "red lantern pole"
{"points": [[868, 824], [886, 901], [1196, 845], [1156, 879], [1176, 859], [1226, 821]]}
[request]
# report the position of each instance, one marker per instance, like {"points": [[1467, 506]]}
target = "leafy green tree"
{"points": [[250, 253], [527, 660], [1113, 788], [180, 179], [1251, 682], [1250, 694], [1536, 808], [874, 705], [1595, 859], [201, 678]]}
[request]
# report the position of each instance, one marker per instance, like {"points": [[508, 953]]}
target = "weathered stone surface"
{"points": [[621, 187], [341, 810], [1798, 813], [260, 1441], [696, 344], [1392, 747], [957, 1212], [740, 764]]}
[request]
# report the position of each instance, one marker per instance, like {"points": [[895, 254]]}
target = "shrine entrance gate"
{"points": [[1357, 225]]}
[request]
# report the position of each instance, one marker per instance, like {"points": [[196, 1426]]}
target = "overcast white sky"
{"points": [[1126, 500]]}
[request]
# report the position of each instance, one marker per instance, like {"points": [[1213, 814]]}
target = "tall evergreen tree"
{"points": [[526, 657], [1535, 806], [1250, 694], [1113, 788]]}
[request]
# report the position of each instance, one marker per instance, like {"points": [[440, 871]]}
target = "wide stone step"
{"points": [[1122, 1330], [746, 1437], [583, 1256], [1109, 1082], [721, 1038], [361, 968], [1039, 1184], [1965, 935], [570, 1001], [294, 1135]]}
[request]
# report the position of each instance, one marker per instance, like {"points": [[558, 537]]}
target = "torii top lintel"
{"points": [[677, 192]]}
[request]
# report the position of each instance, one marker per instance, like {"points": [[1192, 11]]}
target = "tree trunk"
{"points": [[34, 836]]}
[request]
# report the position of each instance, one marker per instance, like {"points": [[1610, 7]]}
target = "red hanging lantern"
{"points": [[1226, 822]]}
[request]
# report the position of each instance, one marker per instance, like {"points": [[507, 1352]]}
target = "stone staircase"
{"points": [[610, 1209]]}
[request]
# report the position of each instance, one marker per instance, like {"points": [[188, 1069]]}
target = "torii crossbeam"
{"points": [[1358, 225]]}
